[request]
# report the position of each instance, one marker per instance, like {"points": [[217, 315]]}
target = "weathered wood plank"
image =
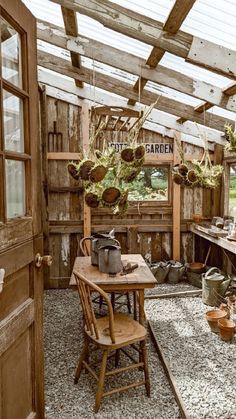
{"points": [[176, 211], [133, 64], [71, 27], [194, 49], [124, 89]]}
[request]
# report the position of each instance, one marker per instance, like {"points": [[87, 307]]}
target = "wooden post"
{"points": [[176, 209], [85, 144], [218, 158]]}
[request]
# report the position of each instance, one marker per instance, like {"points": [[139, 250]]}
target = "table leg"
{"points": [[135, 304], [141, 307]]}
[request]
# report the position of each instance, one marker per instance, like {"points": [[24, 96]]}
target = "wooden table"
{"points": [[137, 280]]}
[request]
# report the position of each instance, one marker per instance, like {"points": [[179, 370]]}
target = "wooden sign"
{"points": [[150, 148]]}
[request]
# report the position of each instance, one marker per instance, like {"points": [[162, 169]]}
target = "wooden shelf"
{"points": [[222, 242]]}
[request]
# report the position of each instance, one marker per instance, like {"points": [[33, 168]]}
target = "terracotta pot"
{"points": [[225, 308], [213, 316], [226, 329]]}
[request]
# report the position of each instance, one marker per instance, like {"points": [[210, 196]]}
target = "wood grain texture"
{"points": [[151, 32], [124, 89], [135, 65]]}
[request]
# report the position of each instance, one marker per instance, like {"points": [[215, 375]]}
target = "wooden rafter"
{"points": [[132, 64], [172, 24], [71, 28], [192, 48], [159, 122], [124, 89]]}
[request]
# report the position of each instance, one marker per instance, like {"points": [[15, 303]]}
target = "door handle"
{"points": [[2, 274], [43, 260]]}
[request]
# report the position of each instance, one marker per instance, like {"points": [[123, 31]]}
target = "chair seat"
{"points": [[126, 330]]}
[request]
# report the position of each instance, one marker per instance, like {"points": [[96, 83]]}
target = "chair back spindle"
{"points": [[85, 287]]}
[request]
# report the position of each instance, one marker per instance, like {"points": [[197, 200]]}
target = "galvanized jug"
{"points": [[214, 286], [98, 240], [176, 272], [109, 259], [160, 270]]}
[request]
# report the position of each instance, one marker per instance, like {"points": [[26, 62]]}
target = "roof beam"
{"points": [[172, 24], [194, 49], [71, 28], [64, 89], [134, 65], [124, 89]]}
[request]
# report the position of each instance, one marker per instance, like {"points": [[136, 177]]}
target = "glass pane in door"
{"points": [[10, 54], [15, 188], [13, 122]]}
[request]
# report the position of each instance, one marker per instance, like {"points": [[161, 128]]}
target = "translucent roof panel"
{"points": [[211, 20]]}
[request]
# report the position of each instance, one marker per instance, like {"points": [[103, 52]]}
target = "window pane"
{"points": [[10, 54], [232, 191], [13, 122], [15, 188], [151, 184]]}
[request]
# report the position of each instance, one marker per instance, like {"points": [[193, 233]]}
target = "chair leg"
{"points": [[113, 300], [101, 381], [83, 356], [100, 302], [145, 361], [135, 304]]}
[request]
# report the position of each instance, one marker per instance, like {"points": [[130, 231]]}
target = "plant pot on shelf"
{"points": [[213, 316], [226, 329]]}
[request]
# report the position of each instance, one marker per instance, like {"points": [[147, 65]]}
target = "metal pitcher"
{"points": [[160, 270], [176, 272], [98, 240], [214, 286], [109, 259]]}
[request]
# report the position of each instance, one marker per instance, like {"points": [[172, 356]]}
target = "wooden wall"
{"points": [[146, 229]]}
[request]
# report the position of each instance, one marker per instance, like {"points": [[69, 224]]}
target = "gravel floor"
{"points": [[64, 400], [202, 364]]}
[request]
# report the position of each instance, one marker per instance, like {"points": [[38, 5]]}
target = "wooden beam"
{"points": [[176, 207], [218, 159], [63, 156], [121, 88], [196, 50], [134, 65], [85, 144], [203, 107], [230, 90], [71, 28], [164, 124], [173, 22]]}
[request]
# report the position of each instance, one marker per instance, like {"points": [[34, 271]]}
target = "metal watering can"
{"points": [[109, 259], [98, 240], [214, 286]]}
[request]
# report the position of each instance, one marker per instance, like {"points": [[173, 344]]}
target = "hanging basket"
{"points": [[73, 171], [85, 168], [192, 176], [139, 152], [97, 173], [91, 200], [183, 169], [110, 196], [127, 154], [178, 178]]}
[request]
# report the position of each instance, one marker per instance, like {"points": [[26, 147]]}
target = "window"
{"points": [[151, 184], [13, 144]]}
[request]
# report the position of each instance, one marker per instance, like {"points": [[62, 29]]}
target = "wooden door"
{"points": [[21, 355]]}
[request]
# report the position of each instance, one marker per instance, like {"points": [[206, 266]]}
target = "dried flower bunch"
{"points": [[197, 173], [106, 174], [230, 137]]}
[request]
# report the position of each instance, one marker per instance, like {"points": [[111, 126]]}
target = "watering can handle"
{"points": [[82, 246], [211, 270]]}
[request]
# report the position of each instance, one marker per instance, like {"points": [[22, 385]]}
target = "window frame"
{"points": [[229, 161], [25, 157], [155, 203]]}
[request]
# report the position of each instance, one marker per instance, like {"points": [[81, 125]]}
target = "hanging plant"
{"points": [[106, 174], [230, 137]]}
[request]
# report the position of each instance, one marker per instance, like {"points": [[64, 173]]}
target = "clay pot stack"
{"points": [[219, 322]]}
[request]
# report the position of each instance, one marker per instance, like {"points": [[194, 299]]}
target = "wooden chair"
{"points": [[115, 297], [110, 333]]}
